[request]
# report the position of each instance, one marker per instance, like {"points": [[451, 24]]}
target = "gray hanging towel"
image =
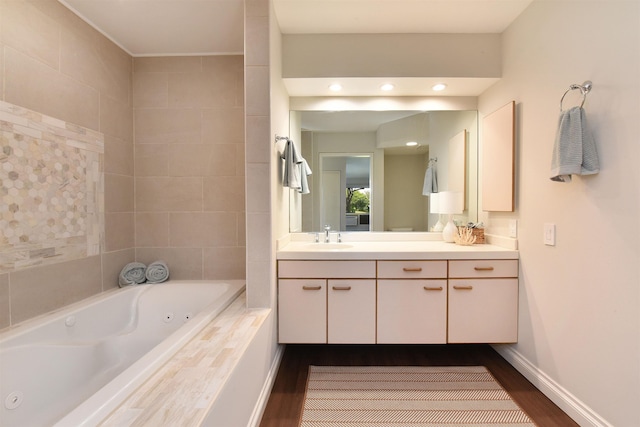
{"points": [[292, 167], [574, 151], [430, 184]]}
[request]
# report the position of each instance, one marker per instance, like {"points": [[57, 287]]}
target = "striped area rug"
{"points": [[416, 396]]}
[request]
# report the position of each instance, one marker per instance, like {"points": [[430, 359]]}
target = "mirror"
{"points": [[330, 141]]}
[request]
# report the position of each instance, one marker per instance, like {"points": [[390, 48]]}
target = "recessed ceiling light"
{"points": [[335, 87], [387, 86], [438, 87], [411, 144]]}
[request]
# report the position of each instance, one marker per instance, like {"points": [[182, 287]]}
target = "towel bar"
{"points": [[584, 88]]}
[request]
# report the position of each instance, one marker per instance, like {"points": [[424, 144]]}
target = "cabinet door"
{"points": [[302, 311], [483, 310], [351, 311], [412, 312]]}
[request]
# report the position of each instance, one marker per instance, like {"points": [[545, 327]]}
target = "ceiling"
{"points": [[214, 27]]}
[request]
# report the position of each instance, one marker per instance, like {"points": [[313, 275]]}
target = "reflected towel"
{"points": [[132, 274], [157, 272], [292, 166], [430, 181], [304, 180], [574, 150]]}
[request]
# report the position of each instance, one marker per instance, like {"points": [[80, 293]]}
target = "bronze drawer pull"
{"points": [[312, 288], [463, 288], [341, 288], [433, 288], [483, 268], [411, 269]]}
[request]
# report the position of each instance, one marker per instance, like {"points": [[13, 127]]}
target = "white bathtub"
{"points": [[74, 366]]}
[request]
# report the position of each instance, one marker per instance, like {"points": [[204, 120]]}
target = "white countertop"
{"points": [[391, 246]]}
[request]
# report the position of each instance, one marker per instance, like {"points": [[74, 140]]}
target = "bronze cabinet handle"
{"points": [[341, 288], [483, 268], [463, 288], [432, 288], [311, 288], [411, 269]]}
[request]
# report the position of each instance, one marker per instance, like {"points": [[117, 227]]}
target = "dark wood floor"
{"points": [[285, 402]]}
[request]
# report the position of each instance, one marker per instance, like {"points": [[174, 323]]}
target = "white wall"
{"points": [[579, 323]]}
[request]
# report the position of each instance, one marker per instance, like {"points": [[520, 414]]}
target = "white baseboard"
{"points": [[571, 405], [261, 404]]}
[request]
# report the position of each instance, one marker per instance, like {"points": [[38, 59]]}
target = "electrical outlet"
{"points": [[549, 234], [513, 228]]}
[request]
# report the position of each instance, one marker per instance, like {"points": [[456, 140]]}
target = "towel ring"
{"points": [[584, 88]]}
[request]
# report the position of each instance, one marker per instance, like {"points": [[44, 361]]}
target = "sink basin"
{"points": [[327, 246]]}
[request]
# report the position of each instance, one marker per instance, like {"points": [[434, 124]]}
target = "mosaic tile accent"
{"points": [[51, 189]]}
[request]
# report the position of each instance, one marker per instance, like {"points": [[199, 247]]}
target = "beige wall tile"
{"points": [[258, 146], [118, 193], [188, 159], [38, 290], [116, 119], [241, 160], [258, 100], [118, 156], [152, 159], [221, 159], [171, 126], [86, 59], [224, 81], [150, 90], [224, 193], [203, 229], [256, 8], [119, 231], [152, 229], [187, 90], [259, 232], [31, 32], [5, 306], [112, 264], [1, 64], [183, 263], [224, 263], [258, 200], [223, 126], [257, 42], [162, 194], [164, 64], [33, 85]]}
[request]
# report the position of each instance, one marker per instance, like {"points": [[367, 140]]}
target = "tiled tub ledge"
{"points": [[182, 392]]}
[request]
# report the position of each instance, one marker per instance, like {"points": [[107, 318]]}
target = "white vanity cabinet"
{"points": [[398, 295], [412, 302], [326, 301], [483, 301]]}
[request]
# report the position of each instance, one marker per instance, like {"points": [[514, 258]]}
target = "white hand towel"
{"points": [[574, 151]]}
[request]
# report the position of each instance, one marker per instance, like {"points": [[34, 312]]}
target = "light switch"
{"points": [[513, 228], [549, 234]]}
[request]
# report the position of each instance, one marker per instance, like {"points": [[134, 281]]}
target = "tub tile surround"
{"points": [[189, 165], [182, 391]]}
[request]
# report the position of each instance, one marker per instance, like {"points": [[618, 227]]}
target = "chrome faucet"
{"points": [[326, 228]]}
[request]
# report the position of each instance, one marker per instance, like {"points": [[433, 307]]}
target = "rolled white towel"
{"points": [[157, 272], [132, 274]]}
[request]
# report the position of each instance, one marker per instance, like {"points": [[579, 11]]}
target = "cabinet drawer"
{"points": [[327, 269], [483, 268], [412, 269], [302, 311]]}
